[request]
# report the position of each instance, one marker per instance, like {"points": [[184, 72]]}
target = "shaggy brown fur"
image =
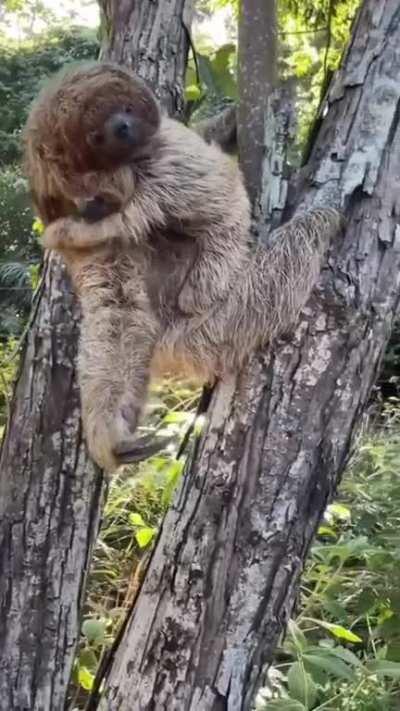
{"points": [[168, 282]]}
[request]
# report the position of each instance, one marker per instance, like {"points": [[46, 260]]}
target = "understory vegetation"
{"points": [[342, 648]]}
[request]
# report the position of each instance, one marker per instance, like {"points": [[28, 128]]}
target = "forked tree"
{"points": [[223, 576]]}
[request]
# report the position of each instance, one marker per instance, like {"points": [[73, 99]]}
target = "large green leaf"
{"points": [[221, 66], [329, 664], [385, 668], [301, 685]]}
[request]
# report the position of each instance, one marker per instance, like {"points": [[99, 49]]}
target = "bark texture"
{"points": [[50, 496], [50, 493], [152, 38], [256, 79], [223, 577]]}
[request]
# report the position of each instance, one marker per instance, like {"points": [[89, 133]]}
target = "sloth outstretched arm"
{"points": [[283, 275]]}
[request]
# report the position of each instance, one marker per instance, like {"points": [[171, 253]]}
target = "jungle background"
{"points": [[342, 650]]}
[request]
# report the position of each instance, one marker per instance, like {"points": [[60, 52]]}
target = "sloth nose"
{"points": [[122, 129]]}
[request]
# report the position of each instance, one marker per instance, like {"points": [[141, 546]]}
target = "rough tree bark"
{"points": [[50, 499], [50, 493], [222, 579], [152, 38], [256, 80]]}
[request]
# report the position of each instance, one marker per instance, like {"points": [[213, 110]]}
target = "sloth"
{"points": [[153, 224]]}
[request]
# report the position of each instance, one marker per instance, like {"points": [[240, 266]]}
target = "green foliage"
{"points": [[343, 650], [8, 365], [313, 36], [23, 69], [20, 253], [211, 81]]}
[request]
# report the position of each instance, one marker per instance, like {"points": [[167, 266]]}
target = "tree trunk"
{"points": [[256, 79], [152, 38], [50, 492], [50, 496], [223, 577]]}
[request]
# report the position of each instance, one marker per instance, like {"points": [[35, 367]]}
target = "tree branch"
{"points": [[256, 81]]}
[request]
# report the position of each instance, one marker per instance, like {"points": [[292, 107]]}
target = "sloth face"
{"points": [[119, 136], [94, 118]]}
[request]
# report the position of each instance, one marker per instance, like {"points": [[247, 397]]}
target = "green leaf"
{"points": [[340, 511], [366, 601], [94, 630], [38, 227], [301, 685], [384, 668], [393, 651], [177, 417], [172, 476], [284, 705], [330, 665], [339, 631], [206, 73], [224, 78], [192, 93], [144, 536], [136, 519], [346, 655], [327, 531], [297, 636], [85, 678], [88, 659], [336, 610], [390, 627]]}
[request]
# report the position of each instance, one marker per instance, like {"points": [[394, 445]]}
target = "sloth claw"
{"points": [[130, 451]]}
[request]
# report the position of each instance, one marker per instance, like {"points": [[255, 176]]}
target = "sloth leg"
{"points": [[116, 349], [285, 273], [267, 301]]}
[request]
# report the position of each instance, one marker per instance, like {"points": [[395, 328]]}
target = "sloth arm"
{"points": [[192, 184], [68, 233]]}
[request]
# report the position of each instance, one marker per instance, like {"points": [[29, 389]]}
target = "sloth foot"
{"points": [[130, 451]]}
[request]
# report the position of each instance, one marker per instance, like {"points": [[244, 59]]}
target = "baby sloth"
{"points": [[153, 224]]}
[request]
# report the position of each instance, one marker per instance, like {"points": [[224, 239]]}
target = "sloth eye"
{"points": [[128, 109], [97, 138]]}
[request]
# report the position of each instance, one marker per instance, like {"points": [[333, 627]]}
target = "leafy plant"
{"points": [[24, 66], [343, 650], [8, 365]]}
